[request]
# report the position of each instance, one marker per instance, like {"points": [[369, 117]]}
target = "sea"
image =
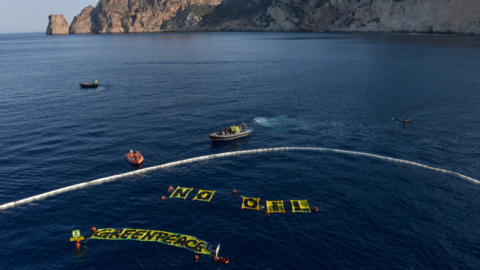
{"points": [[324, 110]]}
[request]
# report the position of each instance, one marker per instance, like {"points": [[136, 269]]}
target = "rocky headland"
{"points": [[57, 25], [149, 16]]}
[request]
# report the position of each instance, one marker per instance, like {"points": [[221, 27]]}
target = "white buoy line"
{"points": [[228, 154]]}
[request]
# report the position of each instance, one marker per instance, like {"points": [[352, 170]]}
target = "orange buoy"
{"points": [[164, 198]]}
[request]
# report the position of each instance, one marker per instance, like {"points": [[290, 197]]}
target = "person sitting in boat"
{"points": [[135, 156], [226, 130], [130, 155]]}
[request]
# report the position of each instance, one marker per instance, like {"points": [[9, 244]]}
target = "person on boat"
{"points": [[222, 260], [404, 121], [226, 130], [130, 155]]}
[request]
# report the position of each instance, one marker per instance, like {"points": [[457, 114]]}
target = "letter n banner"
{"points": [[251, 203], [180, 193]]}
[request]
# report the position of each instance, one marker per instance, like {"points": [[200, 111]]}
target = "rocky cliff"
{"points": [[57, 25], [139, 16]]}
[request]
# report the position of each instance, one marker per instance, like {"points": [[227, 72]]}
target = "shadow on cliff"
{"points": [[234, 9]]}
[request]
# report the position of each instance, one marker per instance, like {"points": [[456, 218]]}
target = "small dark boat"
{"points": [[232, 133], [89, 85]]}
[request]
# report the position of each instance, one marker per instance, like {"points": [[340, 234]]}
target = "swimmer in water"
{"points": [[222, 260], [404, 121], [196, 257]]}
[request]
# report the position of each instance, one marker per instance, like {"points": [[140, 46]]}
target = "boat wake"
{"points": [[282, 121], [230, 154]]}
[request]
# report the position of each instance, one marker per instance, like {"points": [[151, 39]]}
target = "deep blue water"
{"points": [[163, 94]]}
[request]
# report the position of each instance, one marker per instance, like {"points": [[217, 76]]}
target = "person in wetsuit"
{"points": [[222, 260], [404, 121]]}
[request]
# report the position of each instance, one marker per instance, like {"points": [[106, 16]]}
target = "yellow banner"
{"points": [[168, 238], [180, 193], [275, 207], [251, 203], [300, 206], [204, 195]]}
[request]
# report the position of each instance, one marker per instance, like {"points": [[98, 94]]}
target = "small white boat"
{"points": [[232, 133]]}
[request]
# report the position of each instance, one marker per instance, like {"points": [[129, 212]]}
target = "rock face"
{"points": [[82, 23], [140, 16], [57, 25]]}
